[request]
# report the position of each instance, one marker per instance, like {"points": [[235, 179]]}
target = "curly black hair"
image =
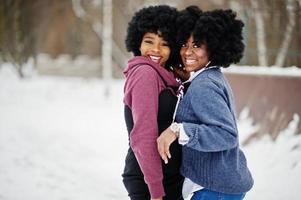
{"points": [[185, 23], [153, 19], [222, 33]]}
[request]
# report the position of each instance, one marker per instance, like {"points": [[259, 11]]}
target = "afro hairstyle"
{"points": [[153, 19], [185, 23], [222, 33]]}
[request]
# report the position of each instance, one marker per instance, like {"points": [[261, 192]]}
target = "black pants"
{"points": [[136, 187], [138, 190]]}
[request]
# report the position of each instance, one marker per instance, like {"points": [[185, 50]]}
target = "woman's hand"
{"points": [[163, 142]]}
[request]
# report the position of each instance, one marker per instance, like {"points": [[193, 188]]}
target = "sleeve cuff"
{"points": [[183, 137]]}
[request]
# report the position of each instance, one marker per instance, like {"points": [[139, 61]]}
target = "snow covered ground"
{"points": [[62, 139]]}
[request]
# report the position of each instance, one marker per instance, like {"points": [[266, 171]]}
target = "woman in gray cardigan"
{"points": [[213, 165]]}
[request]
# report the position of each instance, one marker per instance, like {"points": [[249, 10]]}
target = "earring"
{"points": [[208, 63]]}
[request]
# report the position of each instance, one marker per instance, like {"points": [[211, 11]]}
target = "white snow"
{"points": [[61, 139], [275, 165]]}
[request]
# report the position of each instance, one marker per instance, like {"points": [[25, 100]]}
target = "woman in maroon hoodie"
{"points": [[149, 99]]}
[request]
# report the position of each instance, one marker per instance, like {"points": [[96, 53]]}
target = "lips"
{"points": [[155, 59]]}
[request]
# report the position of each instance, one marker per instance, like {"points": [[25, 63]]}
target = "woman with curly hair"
{"points": [[213, 165], [149, 99]]}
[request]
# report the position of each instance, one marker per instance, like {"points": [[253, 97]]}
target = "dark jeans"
{"points": [[205, 194]]}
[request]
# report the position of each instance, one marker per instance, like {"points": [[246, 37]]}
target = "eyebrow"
{"points": [[148, 37]]}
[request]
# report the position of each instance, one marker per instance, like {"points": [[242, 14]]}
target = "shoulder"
{"points": [[142, 65], [146, 73], [213, 77], [145, 68], [207, 84], [209, 76]]}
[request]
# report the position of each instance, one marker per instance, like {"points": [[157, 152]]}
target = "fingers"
{"points": [[163, 149], [167, 152]]}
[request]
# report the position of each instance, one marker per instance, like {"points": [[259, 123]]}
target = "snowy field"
{"points": [[62, 139]]}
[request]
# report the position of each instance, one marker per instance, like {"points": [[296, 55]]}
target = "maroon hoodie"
{"points": [[141, 94]]}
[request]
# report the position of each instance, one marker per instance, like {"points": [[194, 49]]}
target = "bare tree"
{"points": [[291, 11], [17, 40], [107, 44], [96, 26], [260, 33]]}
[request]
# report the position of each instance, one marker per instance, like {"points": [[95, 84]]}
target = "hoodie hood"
{"points": [[137, 61]]}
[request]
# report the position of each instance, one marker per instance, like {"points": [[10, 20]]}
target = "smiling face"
{"points": [[194, 56], [155, 48]]}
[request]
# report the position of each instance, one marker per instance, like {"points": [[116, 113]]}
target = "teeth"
{"points": [[189, 61], [155, 58]]}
